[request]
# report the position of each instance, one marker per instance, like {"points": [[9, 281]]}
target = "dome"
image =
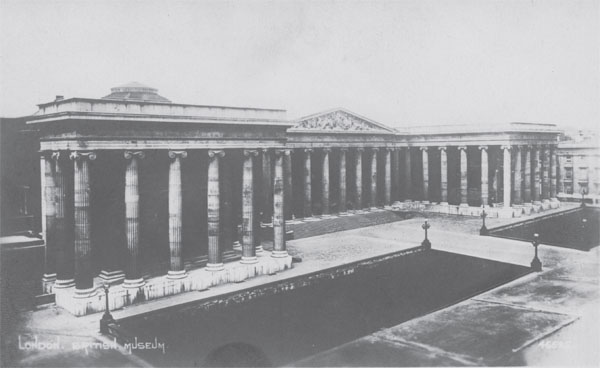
{"points": [[135, 91]]}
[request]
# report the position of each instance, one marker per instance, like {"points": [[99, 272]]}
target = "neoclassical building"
{"points": [[158, 198]]}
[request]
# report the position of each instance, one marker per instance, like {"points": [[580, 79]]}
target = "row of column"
{"points": [[544, 182], [70, 263], [358, 187]]}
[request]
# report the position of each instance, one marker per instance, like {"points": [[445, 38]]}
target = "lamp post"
{"points": [[536, 264], [426, 243], [107, 318], [483, 230], [583, 193]]}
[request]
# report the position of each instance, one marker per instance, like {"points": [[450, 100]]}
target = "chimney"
{"points": [[59, 97]]}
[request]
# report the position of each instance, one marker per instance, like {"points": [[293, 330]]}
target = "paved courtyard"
{"points": [[547, 318]]}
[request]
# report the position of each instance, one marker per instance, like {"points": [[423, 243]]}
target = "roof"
{"points": [[135, 91]]}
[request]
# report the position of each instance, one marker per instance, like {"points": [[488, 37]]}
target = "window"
{"points": [[569, 173], [568, 159]]}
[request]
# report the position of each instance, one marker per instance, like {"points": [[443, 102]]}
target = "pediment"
{"points": [[341, 121]]}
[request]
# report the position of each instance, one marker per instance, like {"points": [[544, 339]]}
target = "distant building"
{"points": [[579, 167]]}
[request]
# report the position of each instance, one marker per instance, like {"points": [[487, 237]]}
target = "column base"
{"points": [[258, 250], [345, 213], [359, 212], [326, 215], [249, 260], [133, 284], [48, 281], [112, 277], [546, 204], [310, 219], [175, 275], [64, 284], [279, 254], [84, 293], [237, 245], [213, 267], [517, 210]]}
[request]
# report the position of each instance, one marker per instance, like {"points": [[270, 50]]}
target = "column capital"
{"points": [[326, 149], [216, 153], [282, 152], [131, 154], [442, 148], [462, 148], [423, 148], [483, 147], [55, 155], [78, 155], [506, 147], [516, 147], [176, 154], [360, 149], [375, 149], [308, 150], [250, 152], [344, 149]]}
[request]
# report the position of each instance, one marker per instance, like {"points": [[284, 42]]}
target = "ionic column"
{"points": [[133, 276], [65, 251], [444, 175], [248, 219], [267, 182], [50, 220], [485, 187], [358, 199], [84, 278], [374, 178], [527, 175], [407, 174], [388, 177], [552, 172], [506, 175], [325, 183], [518, 179], [536, 190], [545, 172], [279, 248], [463, 176], [289, 195], [215, 262], [425, 189], [176, 269], [342, 205], [307, 183]]}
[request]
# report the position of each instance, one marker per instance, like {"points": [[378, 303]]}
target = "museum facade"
{"points": [[157, 198]]}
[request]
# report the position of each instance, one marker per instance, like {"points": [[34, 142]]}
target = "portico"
{"points": [[151, 196]]}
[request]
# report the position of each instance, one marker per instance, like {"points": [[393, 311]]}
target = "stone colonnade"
{"points": [[68, 260]]}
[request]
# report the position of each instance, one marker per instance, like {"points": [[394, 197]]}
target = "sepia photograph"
{"points": [[300, 183]]}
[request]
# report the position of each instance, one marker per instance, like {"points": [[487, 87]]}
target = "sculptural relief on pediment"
{"points": [[336, 121]]}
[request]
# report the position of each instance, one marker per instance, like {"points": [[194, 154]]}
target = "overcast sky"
{"points": [[396, 62]]}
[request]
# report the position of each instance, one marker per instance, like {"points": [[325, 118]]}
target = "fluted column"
{"points": [[65, 251], [176, 269], [388, 177], [307, 183], [50, 220], [289, 195], [248, 219], [407, 174], [133, 276], [527, 175], [266, 185], [463, 176], [215, 262], [342, 206], [425, 161], [485, 187], [545, 172], [536, 189], [84, 278], [443, 175], [552, 172], [506, 175], [518, 181], [279, 248], [325, 207], [358, 198], [373, 199]]}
